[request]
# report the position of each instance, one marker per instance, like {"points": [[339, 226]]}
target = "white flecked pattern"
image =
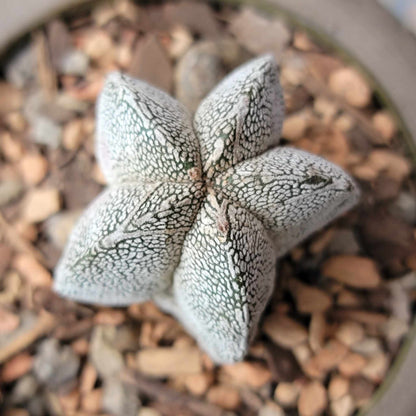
{"points": [[196, 220]]}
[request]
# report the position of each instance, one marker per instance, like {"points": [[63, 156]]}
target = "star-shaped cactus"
{"points": [[196, 215]]}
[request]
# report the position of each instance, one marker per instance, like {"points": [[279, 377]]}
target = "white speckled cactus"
{"points": [[195, 216]]}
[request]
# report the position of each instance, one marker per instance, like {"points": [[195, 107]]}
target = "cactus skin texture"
{"points": [[195, 216]]}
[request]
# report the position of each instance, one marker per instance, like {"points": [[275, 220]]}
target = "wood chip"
{"points": [[165, 362], [312, 399], [360, 272], [284, 331]]}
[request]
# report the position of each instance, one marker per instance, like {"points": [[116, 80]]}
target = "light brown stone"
{"points": [[384, 123], [345, 406], [40, 204], [73, 134], [295, 125], [352, 364], [16, 367], [349, 333], [348, 298], [198, 384], [376, 367], [109, 317], [98, 45], [356, 271], [349, 84], [393, 164], [329, 356], [247, 373], [312, 399], [165, 362], [11, 148], [309, 299], [284, 331], [338, 387], [226, 397], [31, 270], [287, 394], [27, 231], [33, 168]]}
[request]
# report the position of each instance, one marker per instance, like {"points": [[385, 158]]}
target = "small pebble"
{"points": [[286, 394], [59, 226], [16, 367], [350, 333], [351, 86], [226, 397], [338, 387], [360, 272], [344, 406], [312, 399], [284, 331], [31, 270], [40, 204], [33, 168], [246, 373], [271, 409]]}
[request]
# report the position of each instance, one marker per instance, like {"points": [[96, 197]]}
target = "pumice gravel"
{"points": [[197, 212]]}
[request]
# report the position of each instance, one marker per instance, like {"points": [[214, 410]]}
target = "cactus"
{"points": [[196, 215]]}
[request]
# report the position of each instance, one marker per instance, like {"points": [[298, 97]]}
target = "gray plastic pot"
{"points": [[363, 33]]}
